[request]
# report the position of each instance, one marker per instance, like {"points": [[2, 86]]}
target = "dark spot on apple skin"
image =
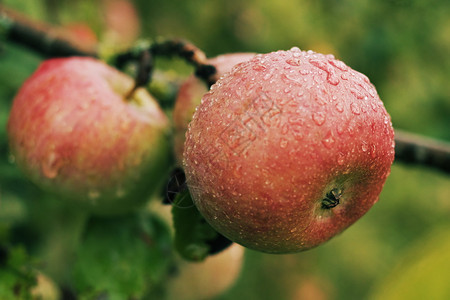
{"points": [[332, 198]]}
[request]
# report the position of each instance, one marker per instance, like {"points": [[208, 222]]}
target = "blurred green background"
{"points": [[402, 46]]}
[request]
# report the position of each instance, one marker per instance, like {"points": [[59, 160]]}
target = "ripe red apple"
{"points": [[288, 150], [190, 95], [73, 132]]}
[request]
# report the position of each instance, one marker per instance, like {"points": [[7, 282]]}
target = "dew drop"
{"points": [[332, 79], [318, 118], [267, 76], [357, 94], [374, 106], [355, 109], [296, 120], [364, 147], [238, 171], [50, 166], [340, 107], [293, 62], [283, 143], [298, 135], [328, 141], [259, 68], [351, 130], [295, 49], [338, 64], [304, 72], [340, 128], [344, 76], [341, 158], [373, 151], [285, 129]]}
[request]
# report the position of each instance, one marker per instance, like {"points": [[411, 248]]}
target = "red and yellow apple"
{"points": [[288, 150], [190, 95], [74, 133]]}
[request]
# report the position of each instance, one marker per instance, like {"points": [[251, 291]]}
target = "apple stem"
{"points": [[144, 73], [332, 198]]}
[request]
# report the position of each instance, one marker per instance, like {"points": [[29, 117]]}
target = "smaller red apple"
{"points": [[190, 95], [73, 132]]}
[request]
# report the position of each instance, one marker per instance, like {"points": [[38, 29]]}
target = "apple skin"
{"points": [[275, 138], [207, 279], [190, 95], [73, 133]]}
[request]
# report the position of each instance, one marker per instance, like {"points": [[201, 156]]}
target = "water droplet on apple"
{"points": [[364, 146], [338, 64], [373, 151], [357, 93], [295, 62], [259, 68], [374, 106], [267, 76], [340, 107], [341, 158], [304, 72], [351, 130], [340, 128], [333, 80], [355, 109], [319, 118], [283, 143], [238, 172], [344, 76], [50, 166], [328, 141]]}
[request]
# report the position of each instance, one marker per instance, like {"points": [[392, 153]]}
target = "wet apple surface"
{"points": [[74, 133], [278, 141]]}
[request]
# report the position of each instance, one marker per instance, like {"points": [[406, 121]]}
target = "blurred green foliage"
{"points": [[402, 46]]}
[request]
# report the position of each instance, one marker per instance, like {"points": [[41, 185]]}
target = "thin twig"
{"points": [[418, 150], [39, 37]]}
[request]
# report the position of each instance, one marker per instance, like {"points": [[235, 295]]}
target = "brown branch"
{"points": [[418, 150], [39, 37]]}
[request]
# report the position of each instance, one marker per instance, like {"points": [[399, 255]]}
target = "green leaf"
{"points": [[192, 232], [17, 277], [122, 258]]}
